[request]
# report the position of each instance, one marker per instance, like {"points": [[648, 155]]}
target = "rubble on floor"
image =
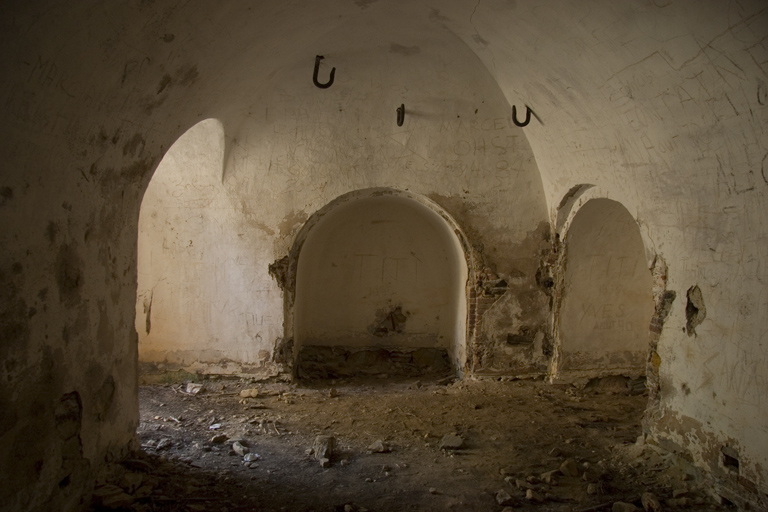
{"points": [[324, 362], [383, 445]]}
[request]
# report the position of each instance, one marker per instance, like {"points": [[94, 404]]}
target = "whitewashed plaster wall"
{"points": [[606, 302], [662, 105], [204, 302], [301, 147], [666, 112], [371, 255]]}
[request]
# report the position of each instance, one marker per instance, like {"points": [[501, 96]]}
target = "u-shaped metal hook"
{"points": [[329, 83], [527, 116], [400, 114]]}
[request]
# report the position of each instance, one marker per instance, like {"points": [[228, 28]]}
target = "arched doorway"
{"points": [[381, 282], [607, 303]]}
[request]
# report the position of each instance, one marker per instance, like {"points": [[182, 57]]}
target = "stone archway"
{"points": [[380, 287]]}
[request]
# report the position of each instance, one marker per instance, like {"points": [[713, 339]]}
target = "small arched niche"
{"points": [[380, 289], [607, 298]]}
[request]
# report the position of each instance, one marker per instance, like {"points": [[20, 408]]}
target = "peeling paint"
{"points": [[718, 460], [291, 221], [148, 312], [695, 311], [389, 320]]}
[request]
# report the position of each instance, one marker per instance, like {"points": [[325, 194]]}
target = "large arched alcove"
{"points": [[602, 321], [380, 288]]}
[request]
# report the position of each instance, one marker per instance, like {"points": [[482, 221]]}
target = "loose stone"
{"points": [[323, 447], [650, 502], [549, 477], [522, 484], [504, 498], [249, 393], [533, 496], [193, 388], [451, 442], [239, 448], [569, 468], [219, 439], [379, 447]]}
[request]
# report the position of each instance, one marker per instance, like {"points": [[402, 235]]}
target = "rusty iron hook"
{"points": [[400, 114], [527, 116], [329, 83]]}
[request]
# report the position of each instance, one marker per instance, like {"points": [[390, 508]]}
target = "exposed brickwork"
{"points": [[481, 299]]}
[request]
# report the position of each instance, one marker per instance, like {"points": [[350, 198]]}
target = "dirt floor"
{"points": [[527, 445]]}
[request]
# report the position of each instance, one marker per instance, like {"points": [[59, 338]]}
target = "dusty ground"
{"points": [[513, 432]]}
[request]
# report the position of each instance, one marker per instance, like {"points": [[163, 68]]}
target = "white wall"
{"points": [[663, 106], [370, 255], [204, 302], [300, 147], [606, 298]]}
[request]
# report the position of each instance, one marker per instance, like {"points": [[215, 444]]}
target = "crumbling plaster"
{"points": [[301, 147], [660, 104]]}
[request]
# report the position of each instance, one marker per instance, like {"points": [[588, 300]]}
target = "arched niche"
{"points": [[381, 279], [606, 305]]}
